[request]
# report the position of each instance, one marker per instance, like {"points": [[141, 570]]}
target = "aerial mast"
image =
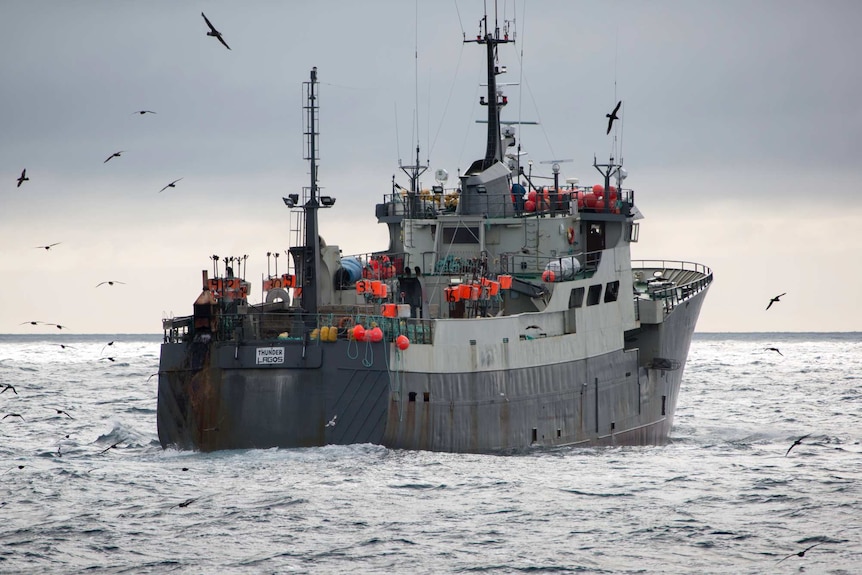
{"points": [[311, 252]]}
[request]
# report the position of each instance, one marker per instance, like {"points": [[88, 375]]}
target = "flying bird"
{"points": [[9, 386], [775, 349], [213, 32], [108, 358], [110, 283], [30, 322], [142, 112], [800, 553], [49, 246], [64, 346], [22, 178], [114, 155], [14, 415], [331, 422], [106, 345], [171, 185], [61, 412], [185, 503], [57, 325], [775, 299], [110, 447], [795, 443], [613, 116]]}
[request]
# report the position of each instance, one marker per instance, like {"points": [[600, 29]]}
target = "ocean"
{"points": [[86, 487]]}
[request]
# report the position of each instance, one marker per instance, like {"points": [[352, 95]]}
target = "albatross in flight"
{"points": [[775, 299], [213, 32], [613, 116], [171, 185], [22, 178]]}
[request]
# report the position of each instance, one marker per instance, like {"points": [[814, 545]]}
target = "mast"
{"points": [[311, 252], [607, 171], [413, 172], [493, 100]]}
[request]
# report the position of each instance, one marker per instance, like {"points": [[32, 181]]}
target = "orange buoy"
{"points": [[389, 310], [494, 288], [549, 276], [505, 281], [376, 334], [464, 291], [402, 342], [358, 332]]}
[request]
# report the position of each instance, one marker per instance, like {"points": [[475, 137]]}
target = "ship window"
{"points": [[576, 297], [594, 295], [426, 397], [461, 235], [612, 290], [634, 231], [412, 396]]}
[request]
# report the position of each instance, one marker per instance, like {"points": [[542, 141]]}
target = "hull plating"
{"points": [[216, 397]]}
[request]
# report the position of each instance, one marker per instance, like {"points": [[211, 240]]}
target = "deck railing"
{"points": [[672, 296], [294, 326]]}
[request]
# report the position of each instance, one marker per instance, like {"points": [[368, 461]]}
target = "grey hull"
{"points": [[214, 396]]}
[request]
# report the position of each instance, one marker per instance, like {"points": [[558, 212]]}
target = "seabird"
{"points": [[775, 299], [64, 346], [109, 448], [57, 325], [108, 358], [14, 415], [61, 412], [106, 345], [110, 283], [23, 177], [775, 349], [331, 422], [795, 443], [801, 553], [9, 386], [185, 503], [213, 32], [30, 322], [49, 246], [613, 116], [114, 155], [171, 185], [142, 112]]}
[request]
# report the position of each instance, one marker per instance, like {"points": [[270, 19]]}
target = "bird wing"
{"points": [[207, 20], [610, 124], [614, 113], [100, 283], [220, 39], [779, 295], [770, 304], [24, 172]]}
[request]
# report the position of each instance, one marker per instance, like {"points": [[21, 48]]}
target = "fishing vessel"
{"points": [[504, 314]]}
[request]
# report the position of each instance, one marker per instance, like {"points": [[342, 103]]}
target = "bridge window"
{"points": [[576, 297], [594, 295], [612, 290]]}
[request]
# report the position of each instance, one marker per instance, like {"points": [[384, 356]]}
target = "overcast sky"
{"points": [[741, 133]]}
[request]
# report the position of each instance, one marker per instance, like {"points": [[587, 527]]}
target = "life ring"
{"points": [[342, 323], [570, 235]]}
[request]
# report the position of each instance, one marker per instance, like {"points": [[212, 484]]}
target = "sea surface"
{"points": [[91, 491]]}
